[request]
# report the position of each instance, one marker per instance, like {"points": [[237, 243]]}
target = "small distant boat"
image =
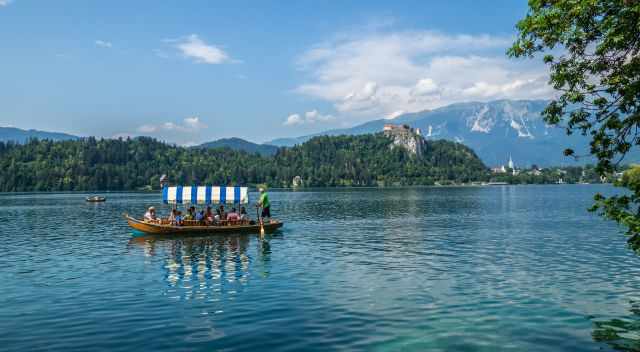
{"points": [[96, 199]]}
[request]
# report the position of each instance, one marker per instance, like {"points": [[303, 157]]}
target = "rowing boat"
{"points": [[96, 199], [167, 229], [206, 196]]}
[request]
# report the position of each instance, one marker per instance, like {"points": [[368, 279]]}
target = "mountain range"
{"points": [[17, 135], [12, 134], [495, 130]]}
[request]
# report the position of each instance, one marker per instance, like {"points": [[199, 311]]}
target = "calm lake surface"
{"points": [[465, 269]]}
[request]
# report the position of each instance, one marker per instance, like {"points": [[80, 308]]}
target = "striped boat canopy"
{"points": [[204, 195]]}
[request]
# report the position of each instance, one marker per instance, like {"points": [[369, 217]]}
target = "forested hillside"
{"points": [[241, 144], [368, 160], [116, 164]]}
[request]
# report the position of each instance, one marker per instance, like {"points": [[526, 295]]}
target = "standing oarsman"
{"points": [[264, 203]]}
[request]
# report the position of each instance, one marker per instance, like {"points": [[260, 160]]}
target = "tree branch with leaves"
{"points": [[592, 47]]}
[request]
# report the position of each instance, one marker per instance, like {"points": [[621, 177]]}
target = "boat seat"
{"points": [[191, 223]]}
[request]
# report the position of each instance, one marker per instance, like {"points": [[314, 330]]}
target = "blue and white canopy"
{"points": [[204, 195]]}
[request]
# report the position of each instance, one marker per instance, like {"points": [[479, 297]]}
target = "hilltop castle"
{"points": [[406, 137], [390, 128]]}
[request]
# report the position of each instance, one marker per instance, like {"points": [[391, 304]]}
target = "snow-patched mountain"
{"points": [[495, 130]]}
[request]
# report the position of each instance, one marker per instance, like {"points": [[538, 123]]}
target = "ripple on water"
{"points": [[441, 269]]}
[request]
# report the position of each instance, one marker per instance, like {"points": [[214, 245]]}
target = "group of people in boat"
{"points": [[202, 217], [207, 217]]}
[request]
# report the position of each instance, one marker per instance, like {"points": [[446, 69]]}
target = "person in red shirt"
{"points": [[233, 215]]}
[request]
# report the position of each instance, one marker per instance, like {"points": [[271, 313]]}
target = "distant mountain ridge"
{"points": [[241, 144], [495, 130], [18, 135]]}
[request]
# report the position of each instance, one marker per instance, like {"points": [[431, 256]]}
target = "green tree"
{"points": [[591, 47], [107, 164]]}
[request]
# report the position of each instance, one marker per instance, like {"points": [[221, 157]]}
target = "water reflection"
{"points": [[620, 333], [459, 268], [204, 268]]}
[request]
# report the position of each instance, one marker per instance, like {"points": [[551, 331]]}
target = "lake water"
{"points": [[465, 269]]}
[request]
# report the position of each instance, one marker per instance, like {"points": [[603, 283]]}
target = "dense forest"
{"points": [[131, 164]]}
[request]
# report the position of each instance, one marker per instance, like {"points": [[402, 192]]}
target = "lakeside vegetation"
{"points": [[91, 164], [551, 175], [131, 164]]}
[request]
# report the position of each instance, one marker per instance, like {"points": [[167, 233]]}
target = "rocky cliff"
{"points": [[405, 137]]}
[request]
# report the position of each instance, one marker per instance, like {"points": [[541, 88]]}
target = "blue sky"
{"points": [[194, 71]]}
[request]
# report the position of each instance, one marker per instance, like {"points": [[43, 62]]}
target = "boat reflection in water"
{"points": [[207, 267]]}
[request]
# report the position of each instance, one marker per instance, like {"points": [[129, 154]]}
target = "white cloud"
{"points": [[394, 114], [194, 123], [186, 132], [195, 48], [425, 86], [308, 117], [293, 119], [380, 74], [5, 2], [188, 125], [147, 129], [103, 44], [314, 116]]}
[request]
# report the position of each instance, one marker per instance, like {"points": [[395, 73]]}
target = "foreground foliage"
{"points": [[108, 164], [620, 334], [592, 49]]}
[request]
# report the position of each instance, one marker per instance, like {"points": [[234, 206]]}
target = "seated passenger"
{"points": [[172, 217], [190, 214], [150, 215], [233, 216], [243, 214], [179, 219], [221, 212], [200, 216], [208, 216]]}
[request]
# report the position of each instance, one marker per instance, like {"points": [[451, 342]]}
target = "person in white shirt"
{"points": [[150, 215]]}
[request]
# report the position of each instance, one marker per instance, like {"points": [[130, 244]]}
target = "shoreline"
{"points": [[300, 189]]}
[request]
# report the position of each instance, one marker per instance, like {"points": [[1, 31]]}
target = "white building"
{"points": [[499, 170]]}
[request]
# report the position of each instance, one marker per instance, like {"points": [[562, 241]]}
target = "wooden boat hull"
{"points": [[157, 229]]}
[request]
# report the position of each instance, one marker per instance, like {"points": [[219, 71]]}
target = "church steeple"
{"points": [[510, 164]]}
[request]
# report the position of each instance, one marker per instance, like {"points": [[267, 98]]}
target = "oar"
{"points": [[260, 220]]}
